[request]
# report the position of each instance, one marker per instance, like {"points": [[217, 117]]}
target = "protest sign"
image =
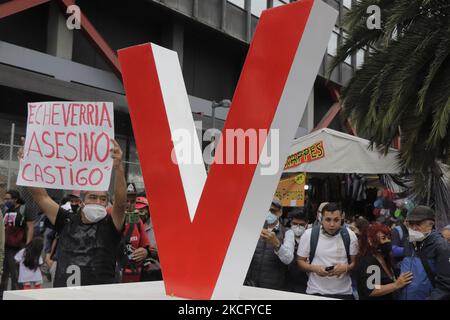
{"points": [[67, 146]]}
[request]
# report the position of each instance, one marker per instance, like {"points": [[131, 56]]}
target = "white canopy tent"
{"points": [[342, 153]]}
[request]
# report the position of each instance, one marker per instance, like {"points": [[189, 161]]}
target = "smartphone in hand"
{"points": [[328, 269]]}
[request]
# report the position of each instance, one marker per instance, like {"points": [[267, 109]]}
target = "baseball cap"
{"points": [[276, 203], [141, 202], [131, 189], [75, 193], [420, 213]]}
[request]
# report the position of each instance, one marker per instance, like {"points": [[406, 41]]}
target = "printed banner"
{"points": [[312, 153], [291, 191], [67, 146]]}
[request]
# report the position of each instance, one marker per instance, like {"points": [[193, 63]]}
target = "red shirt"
{"points": [[138, 238]]}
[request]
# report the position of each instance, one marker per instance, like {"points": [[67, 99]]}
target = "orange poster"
{"points": [[291, 191]]}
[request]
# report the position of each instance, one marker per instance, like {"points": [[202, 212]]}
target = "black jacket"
{"points": [[266, 270]]}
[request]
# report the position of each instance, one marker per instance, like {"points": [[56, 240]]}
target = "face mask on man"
{"points": [[271, 219], [94, 212], [416, 236], [298, 230]]}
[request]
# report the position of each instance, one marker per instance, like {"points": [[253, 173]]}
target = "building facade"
{"points": [[41, 59]]}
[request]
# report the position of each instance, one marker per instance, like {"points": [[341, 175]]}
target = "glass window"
{"points": [[133, 156], [258, 7], [360, 58], [348, 60], [333, 42], [239, 3], [277, 3], [347, 4]]}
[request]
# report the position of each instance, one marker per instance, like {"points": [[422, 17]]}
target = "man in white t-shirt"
{"points": [[329, 265]]}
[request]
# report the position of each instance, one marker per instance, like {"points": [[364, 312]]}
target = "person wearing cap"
{"points": [[427, 256], [152, 267], [131, 196], [144, 213], [135, 243], [73, 201], [266, 269], [277, 209]]}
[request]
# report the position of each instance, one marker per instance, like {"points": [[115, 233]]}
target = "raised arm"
{"points": [[45, 203], [120, 188]]}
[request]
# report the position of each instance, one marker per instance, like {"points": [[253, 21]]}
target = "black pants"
{"points": [[10, 269]]}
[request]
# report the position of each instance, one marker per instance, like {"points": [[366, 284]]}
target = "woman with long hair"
{"points": [[30, 260], [374, 273]]}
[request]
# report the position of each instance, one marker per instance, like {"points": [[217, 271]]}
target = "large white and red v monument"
{"points": [[207, 226]]}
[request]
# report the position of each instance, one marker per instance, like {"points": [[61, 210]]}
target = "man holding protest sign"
{"points": [[70, 145], [88, 240]]}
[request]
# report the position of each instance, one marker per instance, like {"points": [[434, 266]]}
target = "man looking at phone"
{"points": [[266, 269], [327, 251]]}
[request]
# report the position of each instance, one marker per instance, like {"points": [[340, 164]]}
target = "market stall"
{"points": [[338, 167]]}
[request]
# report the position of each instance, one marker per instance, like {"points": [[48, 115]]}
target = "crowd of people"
{"points": [[90, 238], [353, 259]]}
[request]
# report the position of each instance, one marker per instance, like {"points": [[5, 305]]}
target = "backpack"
{"points": [[402, 231], [15, 234], [315, 232]]}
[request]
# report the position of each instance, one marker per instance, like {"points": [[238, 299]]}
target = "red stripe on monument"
{"points": [[162, 179]]}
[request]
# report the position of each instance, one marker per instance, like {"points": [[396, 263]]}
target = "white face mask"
{"points": [[271, 218], [415, 236], [94, 212], [298, 230]]}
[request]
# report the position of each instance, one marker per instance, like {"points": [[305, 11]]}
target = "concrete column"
{"points": [[248, 21], [173, 38], [223, 15], [195, 9], [59, 37]]}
